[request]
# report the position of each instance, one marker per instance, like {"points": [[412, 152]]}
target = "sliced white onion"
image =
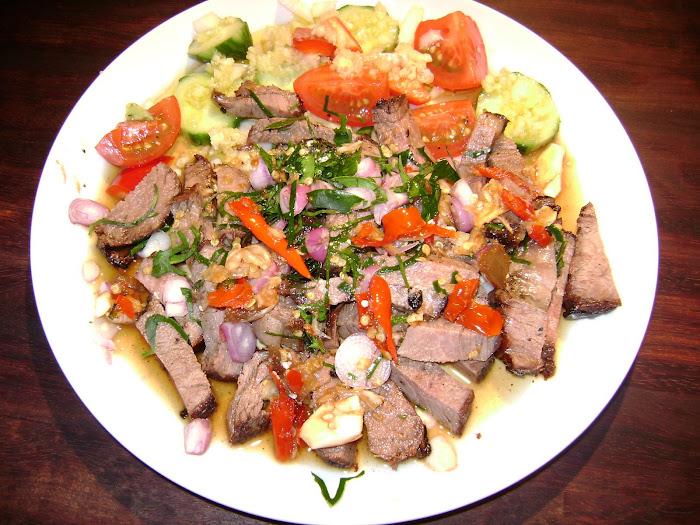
{"points": [[260, 177], [359, 363], [158, 241], [393, 201], [197, 436], [367, 168], [86, 211], [300, 200], [91, 271], [174, 301], [240, 339], [317, 243]]}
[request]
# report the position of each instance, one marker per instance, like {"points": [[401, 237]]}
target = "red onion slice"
{"points": [[367, 274], [365, 194], [367, 168], [393, 202], [359, 363], [197, 436], [86, 211], [300, 200], [272, 271], [240, 340], [260, 177], [317, 243], [462, 205]]}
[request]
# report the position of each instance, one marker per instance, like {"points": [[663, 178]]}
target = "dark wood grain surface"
{"points": [[639, 462]]}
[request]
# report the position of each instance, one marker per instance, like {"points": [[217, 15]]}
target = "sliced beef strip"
{"points": [[505, 155], [248, 414], [155, 286], [396, 127], [179, 361], [474, 370], [524, 304], [341, 456], [488, 126], [348, 322], [294, 133], [590, 290], [216, 360], [555, 307], [279, 321], [394, 430], [445, 397], [198, 172], [279, 102], [420, 276], [136, 205], [441, 341]]}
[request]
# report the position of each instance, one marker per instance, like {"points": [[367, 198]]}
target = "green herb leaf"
{"points": [[341, 487], [338, 200], [152, 325], [284, 123]]}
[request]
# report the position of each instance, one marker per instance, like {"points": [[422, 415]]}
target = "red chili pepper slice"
{"points": [[463, 310], [540, 235], [380, 307], [399, 224], [517, 205], [237, 296], [249, 214], [460, 298]]}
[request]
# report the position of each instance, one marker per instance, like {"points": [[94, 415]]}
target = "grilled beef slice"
{"points": [[396, 127], [136, 206], [341, 456], [488, 126], [524, 304], [555, 307], [505, 155], [278, 322], [279, 102], [295, 132], [248, 414], [394, 430], [421, 275], [440, 341], [591, 289], [446, 398], [179, 361], [474, 370]]}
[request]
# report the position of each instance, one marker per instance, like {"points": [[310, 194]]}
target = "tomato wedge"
{"points": [[455, 43], [331, 34], [129, 178], [353, 97], [138, 142], [446, 126]]}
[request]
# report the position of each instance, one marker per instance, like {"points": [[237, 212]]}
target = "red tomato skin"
{"points": [[129, 178], [447, 126], [353, 97], [138, 142], [306, 42], [459, 57]]}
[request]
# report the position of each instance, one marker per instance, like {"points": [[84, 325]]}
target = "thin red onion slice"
{"points": [[359, 363], [317, 243], [300, 200], [368, 168], [393, 202], [86, 211], [365, 194], [240, 340], [197, 436], [260, 177], [258, 283], [367, 274], [462, 206]]}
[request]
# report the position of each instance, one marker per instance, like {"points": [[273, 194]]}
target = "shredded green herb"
{"points": [[341, 487], [262, 106]]}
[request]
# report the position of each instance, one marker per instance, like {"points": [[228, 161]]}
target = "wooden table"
{"points": [[638, 462]]}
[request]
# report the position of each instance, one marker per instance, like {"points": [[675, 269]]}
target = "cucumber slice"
{"points": [[231, 37], [528, 105], [198, 113], [373, 28]]}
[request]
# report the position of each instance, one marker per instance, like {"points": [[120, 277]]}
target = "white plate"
{"points": [[535, 422]]}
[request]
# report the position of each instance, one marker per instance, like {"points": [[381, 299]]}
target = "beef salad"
{"points": [[349, 217]]}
